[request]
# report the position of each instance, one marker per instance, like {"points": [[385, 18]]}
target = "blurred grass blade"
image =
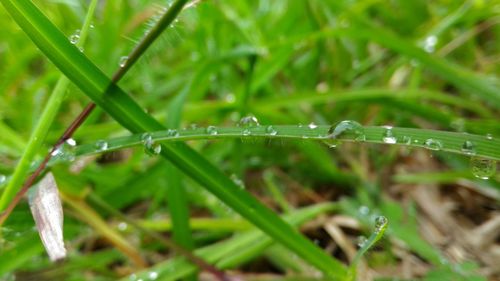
{"points": [[44, 122], [46, 208], [123, 109]]}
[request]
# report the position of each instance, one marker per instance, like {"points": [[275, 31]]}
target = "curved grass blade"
{"points": [[482, 146], [123, 109]]}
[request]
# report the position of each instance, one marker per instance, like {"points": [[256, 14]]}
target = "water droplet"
{"points": [[430, 43], [212, 130], [345, 129], [237, 181], [433, 144], [387, 135], [151, 148], [364, 210], [246, 132], [153, 275], [468, 148], [172, 133], [361, 241], [483, 168], [101, 145], [75, 37], [248, 122], [3, 178], [123, 61], [122, 226], [406, 140], [489, 136], [71, 142], [312, 126], [380, 223], [271, 131]]}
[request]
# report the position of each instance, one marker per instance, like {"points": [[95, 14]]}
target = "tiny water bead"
{"points": [[211, 130], [172, 133], [312, 126], [345, 129], [3, 178], [468, 148], [75, 37], [101, 145], [388, 136], [248, 122], [406, 140], [430, 43], [153, 275], [361, 241], [151, 148], [483, 168], [433, 144], [489, 136], [65, 151], [271, 131], [123, 61]]}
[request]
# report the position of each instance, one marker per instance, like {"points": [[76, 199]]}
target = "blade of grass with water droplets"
{"points": [[94, 83], [46, 208]]}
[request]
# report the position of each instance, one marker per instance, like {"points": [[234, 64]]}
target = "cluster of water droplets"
{"points": [[381, 223], [345, 129], [151, 147]]}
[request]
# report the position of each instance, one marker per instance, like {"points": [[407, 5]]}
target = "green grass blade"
{"points": [[483, 146], [123, 109], [40, 131]]}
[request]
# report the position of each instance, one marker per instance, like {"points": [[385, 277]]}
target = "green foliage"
{"points": [[428, 69]]}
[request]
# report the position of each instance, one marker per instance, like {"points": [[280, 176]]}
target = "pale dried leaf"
{"points": [[47, 212]]}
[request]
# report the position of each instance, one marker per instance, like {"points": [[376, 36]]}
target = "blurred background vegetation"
{"points": [[418, 64]]}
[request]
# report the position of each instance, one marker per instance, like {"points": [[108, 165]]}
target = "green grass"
{"points": [[219, 187]]}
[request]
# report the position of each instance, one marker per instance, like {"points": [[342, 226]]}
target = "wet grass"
{"points": [[421, 78]]}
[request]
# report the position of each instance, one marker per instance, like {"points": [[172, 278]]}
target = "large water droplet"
{"points": [[75, 37], [483, 168], [468, 148], [433, 144], [101, 145], [123, 61], [271, 131], [388, 136], [345, 129], [151, 148], [380, 223], [212, 130], [65, 151], [248, 122]]}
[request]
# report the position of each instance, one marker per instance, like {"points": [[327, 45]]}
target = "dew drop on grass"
{"points": [[75, 37], [364, 210], [153, 275], [151, 148], [483, 168], [312, 126], [430, 43], [3, 178], [172, 133], [345, 129], [468, 148], [388, 136], [271, 131], [248, 122], [489, 136], [212, 130], [123, 61], [406, 140], [380, 223], [361, 241], [101, 145], [433, 144]]}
